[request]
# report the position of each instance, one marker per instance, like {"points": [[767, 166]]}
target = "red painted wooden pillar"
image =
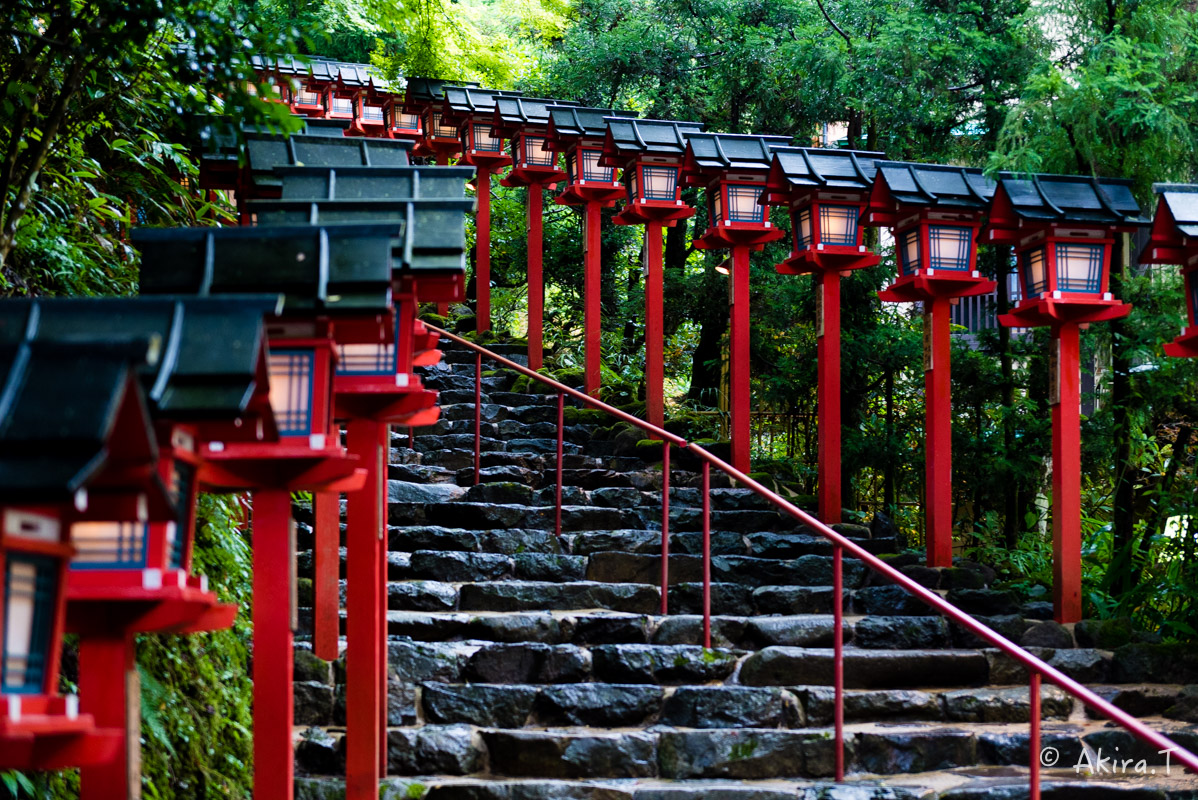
{"points": [[592, 296], [738, 358], [938, 424], [536, 280], [109, 690], [654, 336], [482, 251], [827, 284], [1066, 475], [273, 651], [384, 450], [363, 608], [326, 513]]}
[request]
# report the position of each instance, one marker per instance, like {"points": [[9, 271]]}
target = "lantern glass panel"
{"points": [[29, 589], [949, 246], [1035, 273], [908, 242], [716, 210], [372, 113], [484, 140], [291, 390], [591, 171], [182, 479], [659, 182], [802, 229], [306, 97], [440, 130], [838, 225], [742, 203], [109, 545], [406, 122], [1079, 267], [366, 359], [533, 152], [343, 105]]}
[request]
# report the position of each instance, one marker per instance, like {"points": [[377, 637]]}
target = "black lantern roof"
{"points": [[329, 269], [632, 137], [514, 113], [374, 183], [354, 76], [68, 412], [466, 101], [1071, 198], [267, 152], [1182, 201], [724, 152], [824, 168], [430, 234], [210, 351], [569, 121], [936, 185], [423, 92]]}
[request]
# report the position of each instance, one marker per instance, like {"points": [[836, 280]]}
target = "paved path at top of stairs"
{"points": [[527, 666]]}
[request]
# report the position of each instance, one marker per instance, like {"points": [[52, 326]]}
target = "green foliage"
{"points": [[196, 689]]}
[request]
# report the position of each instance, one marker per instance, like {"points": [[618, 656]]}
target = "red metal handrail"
{"points": [[1037, 668]]}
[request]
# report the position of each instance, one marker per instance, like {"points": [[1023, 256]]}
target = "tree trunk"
{"points": [[1123, 521], [1012, 520], [713, 323]]}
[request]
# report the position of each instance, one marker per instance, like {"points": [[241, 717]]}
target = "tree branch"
{"points": [[832, 22]]}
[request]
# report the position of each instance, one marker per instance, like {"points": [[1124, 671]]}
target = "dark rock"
{"points": [[888, 601], [887, 753], [730, 599], [1004, 705], [1005, 670], [742, 754], [313, 703], [1010, 627], [1105, 634], [1086, 666], [985, 602], [528, 663], [617, 497], [317, 753], [661, 664], [1155, 663], [795, 600], [637, 568], [864, 669], [549, 567], [431, 750], [404, 492], [309, 667], [401, 702], [985, 570], [431, 537], [870, 706], [900, 633], [688, 629], [768, 544], [543, 596], [416, 661], [731, 707], [421, 596], [1038, 609], [594, 629], [515, 541], [598, 705], [928, 577], [882, 527], [477, 704], [513, 493], [531, 627], [1047, 634], [793, 631], [1012, 748], [550, 755], [961, 578], [1186, 707], [1139, 701]]}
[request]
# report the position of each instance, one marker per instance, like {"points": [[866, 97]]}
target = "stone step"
{"points": [[973, 783], [866, 669], [495, 515]]}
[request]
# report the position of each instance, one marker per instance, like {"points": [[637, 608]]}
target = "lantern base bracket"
{"points": [[810, 261], [724, 237], [606, 194], [50, 734], [917, 288], [1054, 312]]}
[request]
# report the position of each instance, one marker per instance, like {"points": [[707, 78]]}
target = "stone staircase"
{"points": [[532, 667]]}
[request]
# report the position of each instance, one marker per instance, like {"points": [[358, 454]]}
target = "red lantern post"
{"points": [[76, 445], [472, 111], [1062, 228], [934, 212], [650, 153], [1174, 240], [525, 120], [825, 192], [579, 133], [733, 168]]}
